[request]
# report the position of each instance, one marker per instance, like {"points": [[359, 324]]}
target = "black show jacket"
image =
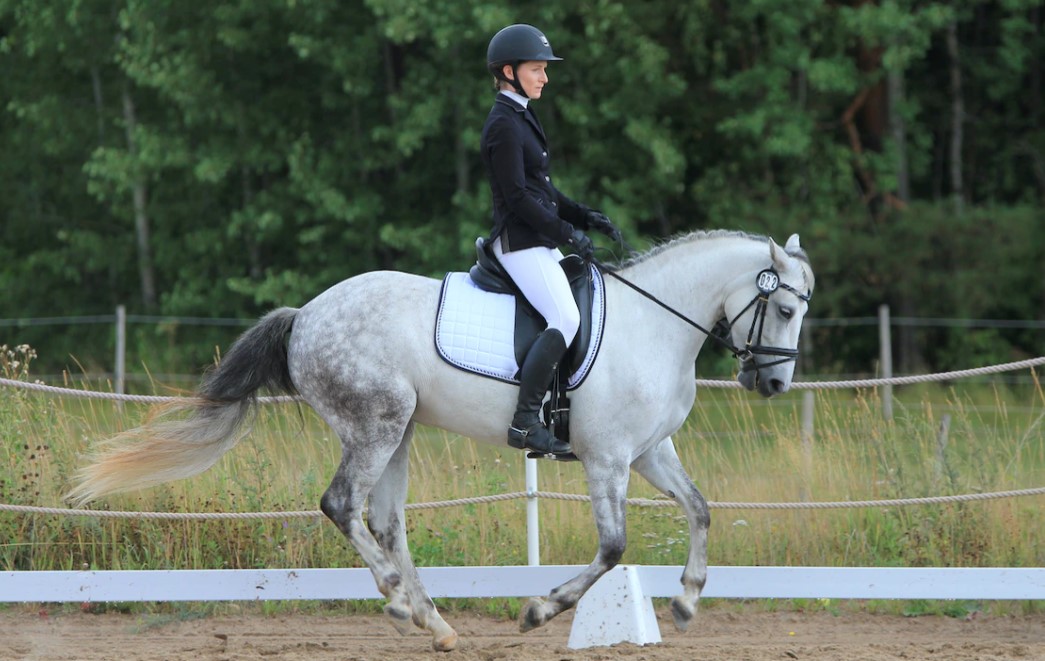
{"points": [[528, 210]]}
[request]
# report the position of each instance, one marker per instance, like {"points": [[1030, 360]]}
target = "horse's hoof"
{"points": [[532, 615], [681, 613], [401, 619], [445, 644]]}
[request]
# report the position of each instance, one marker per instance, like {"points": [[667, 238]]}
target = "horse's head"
{"points": [[765, 317]]}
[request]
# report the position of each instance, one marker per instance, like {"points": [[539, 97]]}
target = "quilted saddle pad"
{"points": [[475, 329]]}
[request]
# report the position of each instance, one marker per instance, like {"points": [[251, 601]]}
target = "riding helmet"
{"points": [[517, 43]]}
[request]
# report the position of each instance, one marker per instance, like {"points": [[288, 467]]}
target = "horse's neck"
{"points": [[695, 276]]}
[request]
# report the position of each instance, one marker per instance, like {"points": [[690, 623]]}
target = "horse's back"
{"points": [[375, 296], [373, 336], [377, 318]]}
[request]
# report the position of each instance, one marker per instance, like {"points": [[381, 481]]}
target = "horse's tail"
{"points": [[169, 448]]}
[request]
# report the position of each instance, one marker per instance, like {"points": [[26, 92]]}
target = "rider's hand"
{"points": [[582, 245], [599, 222]]}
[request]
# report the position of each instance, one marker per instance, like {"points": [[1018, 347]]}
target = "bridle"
{"points": [[767, 281]]}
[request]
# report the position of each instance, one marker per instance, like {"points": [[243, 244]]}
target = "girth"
{"points": [[489, 275]]}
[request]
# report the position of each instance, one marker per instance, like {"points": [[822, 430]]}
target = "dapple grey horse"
{"points": [[362, 355]]}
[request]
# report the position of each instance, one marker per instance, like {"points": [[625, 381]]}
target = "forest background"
{"points": [[217, 159]]}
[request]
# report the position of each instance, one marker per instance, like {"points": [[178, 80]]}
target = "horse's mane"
{"points": [[702, 235]]}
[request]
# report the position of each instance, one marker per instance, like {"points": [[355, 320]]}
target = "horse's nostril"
{"points": [[777, 386]]}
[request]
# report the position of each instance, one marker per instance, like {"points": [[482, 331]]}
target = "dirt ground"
{"points": [[717, 635]]}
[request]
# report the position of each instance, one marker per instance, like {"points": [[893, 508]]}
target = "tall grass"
{"points": [[737, 447]]}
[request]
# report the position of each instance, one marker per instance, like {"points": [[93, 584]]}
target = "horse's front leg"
{"points": [[608, 487], [661, 466]]}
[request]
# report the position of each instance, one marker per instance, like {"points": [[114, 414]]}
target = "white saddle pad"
{"points": [[475, 329]]}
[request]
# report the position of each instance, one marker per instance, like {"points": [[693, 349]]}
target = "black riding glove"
{"points": [[600, 223], [582, 245]]}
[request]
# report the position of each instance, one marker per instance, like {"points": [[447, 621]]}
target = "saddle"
{"points": [[488, 274]]}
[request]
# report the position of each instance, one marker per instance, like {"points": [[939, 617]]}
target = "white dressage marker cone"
{"points": [[615, 610]]}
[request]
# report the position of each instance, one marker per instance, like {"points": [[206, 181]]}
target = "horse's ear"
{"points": [[778, 255]]}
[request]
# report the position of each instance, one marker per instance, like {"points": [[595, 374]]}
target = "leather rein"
{"points": [[767, 281]]}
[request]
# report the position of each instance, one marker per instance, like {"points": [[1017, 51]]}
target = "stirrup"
{"points": [[565, 456], [519, 438]]}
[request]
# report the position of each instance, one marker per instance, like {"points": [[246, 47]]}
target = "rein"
{"points": [[606, 270], [767, 281]]}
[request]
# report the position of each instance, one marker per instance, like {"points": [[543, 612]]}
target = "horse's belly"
{"points": [[463, 403]]}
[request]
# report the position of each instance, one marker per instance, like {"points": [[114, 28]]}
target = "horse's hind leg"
{"points": [[608, 487], [386, 521], [343, 504], [368, 444], [661, 466]]}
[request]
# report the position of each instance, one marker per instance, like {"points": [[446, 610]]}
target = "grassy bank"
{"points": [[737, 447]]}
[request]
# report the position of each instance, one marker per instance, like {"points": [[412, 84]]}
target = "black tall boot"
{"points": [[538, 368]]}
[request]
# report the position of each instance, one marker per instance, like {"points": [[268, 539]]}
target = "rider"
{"points": [[531, 218]]}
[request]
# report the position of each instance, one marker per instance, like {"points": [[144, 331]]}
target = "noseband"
{"points": [[767, 281]]}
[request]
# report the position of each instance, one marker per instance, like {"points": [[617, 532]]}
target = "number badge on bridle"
{"points": [[768, 282]]}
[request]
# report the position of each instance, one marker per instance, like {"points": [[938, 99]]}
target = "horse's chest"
{"points": [[654, 408]]}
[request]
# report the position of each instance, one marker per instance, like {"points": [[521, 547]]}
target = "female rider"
{"points": [[531, 218]]}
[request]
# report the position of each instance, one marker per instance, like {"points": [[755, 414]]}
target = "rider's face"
{"points": [[533, 76]]}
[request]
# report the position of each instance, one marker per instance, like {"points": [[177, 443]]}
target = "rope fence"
{"points": [[636, 502], [703, 383], [549, 495], [894, 380], [808, 322]]}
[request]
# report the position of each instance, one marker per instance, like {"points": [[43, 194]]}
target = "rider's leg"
{"points": [[539, 277], [538, 368]]}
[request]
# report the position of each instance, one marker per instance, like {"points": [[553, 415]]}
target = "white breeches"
{"points": [[542, 281]]}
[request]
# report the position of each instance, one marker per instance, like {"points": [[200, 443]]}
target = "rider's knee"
{"points": [[568, 323]]}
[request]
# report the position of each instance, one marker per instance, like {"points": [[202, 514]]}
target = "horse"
{"points": [[361, 354]]}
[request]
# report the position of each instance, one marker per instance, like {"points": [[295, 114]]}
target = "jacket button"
{"points": [[547, 178], [544, 153]]}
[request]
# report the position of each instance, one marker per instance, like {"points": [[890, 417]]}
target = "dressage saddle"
{"points": [[489, 275]]}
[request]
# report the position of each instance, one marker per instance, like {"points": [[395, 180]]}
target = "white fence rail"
{"points": [[617, 608], [974, 583]]}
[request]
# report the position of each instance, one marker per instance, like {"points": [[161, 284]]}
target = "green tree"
{"points": [[218, 159]]}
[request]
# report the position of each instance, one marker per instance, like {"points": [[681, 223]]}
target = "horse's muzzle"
{"points": [[763, 381]]}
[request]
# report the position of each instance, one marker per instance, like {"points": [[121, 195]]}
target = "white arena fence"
{"points": [[618, 608]]}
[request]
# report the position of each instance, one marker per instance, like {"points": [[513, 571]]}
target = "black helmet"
{"points": [[517, 43]]}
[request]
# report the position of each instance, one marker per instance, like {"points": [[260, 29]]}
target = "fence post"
{"points": [[885, 348], [533, 528], [808, 409], [808, 415], [121, 349], [940, 464]]}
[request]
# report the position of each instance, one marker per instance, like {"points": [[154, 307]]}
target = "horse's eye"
{"points": [[786, 312]]}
